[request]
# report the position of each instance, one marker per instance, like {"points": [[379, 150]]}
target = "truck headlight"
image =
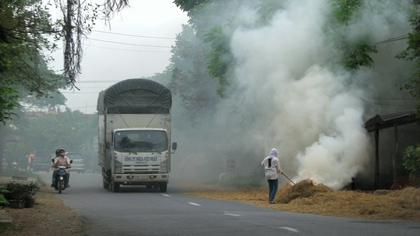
{"points": [[164, 166], [118, 167]]}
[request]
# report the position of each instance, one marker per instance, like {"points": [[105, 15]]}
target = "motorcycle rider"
{"points": [[61, 159]]}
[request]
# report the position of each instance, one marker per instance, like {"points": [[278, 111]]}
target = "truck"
{"points": [[134, 134]]}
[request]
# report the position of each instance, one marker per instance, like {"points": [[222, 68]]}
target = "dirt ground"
{"points": [[48, 217], [302, 197]]}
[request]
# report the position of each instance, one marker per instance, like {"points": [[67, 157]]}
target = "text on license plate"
{"points": [[128, 158]]}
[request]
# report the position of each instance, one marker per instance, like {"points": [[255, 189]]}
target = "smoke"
{"points": [[291, 92], [315, 107]]}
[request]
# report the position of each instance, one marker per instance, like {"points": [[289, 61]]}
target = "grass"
{"points": [[9, 227]]}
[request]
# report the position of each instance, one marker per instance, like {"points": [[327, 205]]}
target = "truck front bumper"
{"points": [[140, 178]]}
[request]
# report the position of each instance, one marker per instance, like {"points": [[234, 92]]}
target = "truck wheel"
{"points": [[163, 187], [115, 187], [105, 184]]}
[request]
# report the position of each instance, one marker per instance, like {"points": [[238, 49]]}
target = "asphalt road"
{"points": [[136, 211]]}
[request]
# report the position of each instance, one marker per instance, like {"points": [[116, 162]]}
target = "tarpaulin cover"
{"points": [[135, 96]]}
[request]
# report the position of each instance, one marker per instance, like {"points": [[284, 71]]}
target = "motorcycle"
{"points": [[59, 178]]}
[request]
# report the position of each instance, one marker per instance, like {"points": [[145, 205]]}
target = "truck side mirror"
{"points": [[108, 145], [174, 146]]}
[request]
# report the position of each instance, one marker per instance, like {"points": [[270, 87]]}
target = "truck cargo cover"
{"points": [[135, 96]]}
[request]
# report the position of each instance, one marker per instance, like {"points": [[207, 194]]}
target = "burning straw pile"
{"points": [[303, 189]]}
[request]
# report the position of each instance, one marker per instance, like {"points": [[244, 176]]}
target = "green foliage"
{"points": [[25, 27], [3, 200], [220, 58], [71, 130], [267, 9], [358, 54], [411, 160], [8, 102], [190, 79], [21, 191], [344, 10], [412, 53], [355, 53], [187, 5]]}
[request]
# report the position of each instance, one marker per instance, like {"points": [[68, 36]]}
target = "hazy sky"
{"points": [[108, 61]]}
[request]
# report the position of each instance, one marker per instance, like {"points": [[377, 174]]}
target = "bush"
{"points": [[22, 192], [3, 200], [412, 161]]}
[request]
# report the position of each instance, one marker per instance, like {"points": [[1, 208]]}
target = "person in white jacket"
{"points": [[272, 169]]}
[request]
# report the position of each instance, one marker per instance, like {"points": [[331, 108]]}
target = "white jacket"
{"points": [[271, 172]]}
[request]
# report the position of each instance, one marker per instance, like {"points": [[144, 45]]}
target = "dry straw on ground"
{"points": [[306, 197]]}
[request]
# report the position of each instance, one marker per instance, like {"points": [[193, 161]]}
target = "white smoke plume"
{"points": [[307, 105]]}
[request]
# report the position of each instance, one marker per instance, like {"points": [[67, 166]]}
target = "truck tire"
{"points": [[115, 187], [105, 184], [163, 187]]}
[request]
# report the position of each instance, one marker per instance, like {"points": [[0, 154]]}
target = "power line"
{"points": [[393, 39], [98, 81], [128, 49], [78, 93], [132, 35], [131, 44]]}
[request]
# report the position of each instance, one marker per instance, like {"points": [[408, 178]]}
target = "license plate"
{"points": [[142, 177], [141, 159]]}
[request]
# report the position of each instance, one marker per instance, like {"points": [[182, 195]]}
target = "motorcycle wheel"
{"points": [[60, 186]]}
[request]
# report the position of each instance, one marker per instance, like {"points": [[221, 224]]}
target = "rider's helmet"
{"points": [[59, 151]]}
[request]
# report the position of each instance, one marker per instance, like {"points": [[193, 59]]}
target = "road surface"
{"points": [[137, 211]]}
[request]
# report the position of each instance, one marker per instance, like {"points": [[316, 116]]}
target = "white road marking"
{"points": [[194, 204], [290, 229], [231, 214], [166, 195]]}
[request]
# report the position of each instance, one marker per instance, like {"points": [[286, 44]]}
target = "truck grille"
{"points": [[131, 169]]}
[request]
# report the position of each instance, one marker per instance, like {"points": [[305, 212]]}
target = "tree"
{"points": [[71, 130], [188, 5], [412, 53], [7, 102], [78, 18], [23, 29], [356, 53], [26, 29], [412, 161], [190, 79]]}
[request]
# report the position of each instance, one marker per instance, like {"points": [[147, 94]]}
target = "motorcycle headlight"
{"points": [[118, 167]]}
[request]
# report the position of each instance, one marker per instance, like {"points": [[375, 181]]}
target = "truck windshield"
{"points": [[140, 141]]}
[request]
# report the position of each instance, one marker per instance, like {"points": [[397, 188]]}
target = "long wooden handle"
{"points": [[288, 178]]}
